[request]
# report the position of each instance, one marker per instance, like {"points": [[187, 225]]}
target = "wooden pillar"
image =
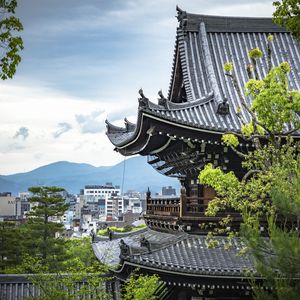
{"points": [[182, 198]]}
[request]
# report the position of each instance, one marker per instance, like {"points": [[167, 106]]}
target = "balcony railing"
{"points": [[193, 207], [164, 206]]}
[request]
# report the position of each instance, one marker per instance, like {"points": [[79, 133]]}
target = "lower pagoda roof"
{"points": [[179, 253]]}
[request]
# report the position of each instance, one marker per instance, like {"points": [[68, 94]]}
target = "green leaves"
{"points": [[10, 43], [273, 103], [48, 206], [255, 53], [230, 140], [228, 66], [287, 14], [140, 287]]}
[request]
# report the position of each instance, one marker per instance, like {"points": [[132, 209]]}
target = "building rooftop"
{"points": [[176, 252], [198, 84]]}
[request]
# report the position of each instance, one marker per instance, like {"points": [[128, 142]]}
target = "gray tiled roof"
{"points": [[179, 252], [204, 44], [192, 255]]}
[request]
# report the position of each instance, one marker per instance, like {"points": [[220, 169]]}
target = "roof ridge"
{"points": [[190, 22], [181, 237]]}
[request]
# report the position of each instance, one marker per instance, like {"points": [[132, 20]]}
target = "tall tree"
{"points": [[275, 117], [48, 205], [287, 14], [10, 245], [10, 43]]}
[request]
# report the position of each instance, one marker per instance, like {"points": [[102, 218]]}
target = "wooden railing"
{"points": [[193, 207], [164, 206]]}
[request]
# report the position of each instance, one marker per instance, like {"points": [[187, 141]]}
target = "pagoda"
{"points": [[180, 134]]}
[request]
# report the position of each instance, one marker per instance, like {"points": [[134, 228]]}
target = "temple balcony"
{"points": [[184, 213]]}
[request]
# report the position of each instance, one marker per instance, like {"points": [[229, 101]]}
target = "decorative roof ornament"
{"points": [[143, 101], [148, 194], [223, 108], [145, 243], [124, 249], [181, 17], [162, 100], [129, 126]]}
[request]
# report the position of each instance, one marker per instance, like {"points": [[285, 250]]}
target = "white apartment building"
{"points": [[92, 193], [134, 205], [114, 207]]}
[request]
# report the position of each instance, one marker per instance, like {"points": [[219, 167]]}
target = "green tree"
{"points": [[140, 287], [10, 44], [274, 118], [43, 225], [10, 246], [278, 257], [287, 14]]}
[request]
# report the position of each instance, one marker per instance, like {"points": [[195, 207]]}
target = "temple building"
{"points": [[180, 134]]}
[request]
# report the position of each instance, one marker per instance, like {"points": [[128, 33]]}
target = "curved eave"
{"points": [[140, 142], [187, 272]]}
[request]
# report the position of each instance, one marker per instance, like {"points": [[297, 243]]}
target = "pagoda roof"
{"points": [[179, 252], [203, 44]]}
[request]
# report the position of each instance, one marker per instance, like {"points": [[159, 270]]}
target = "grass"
{"points": [[103, 232]]}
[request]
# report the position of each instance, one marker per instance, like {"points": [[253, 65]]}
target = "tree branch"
{"points": [[240, 154], [249, 173]]}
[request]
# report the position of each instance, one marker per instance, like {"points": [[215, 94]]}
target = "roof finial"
{"points": [[143, 101], [223, 108], [162, 100], [141, 92], [181, 17]]}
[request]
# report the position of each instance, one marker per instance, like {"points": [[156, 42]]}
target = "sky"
{"points": [[83, 63]]}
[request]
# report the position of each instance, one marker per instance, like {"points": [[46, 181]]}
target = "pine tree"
{"points": [[10, 245], [43, 227]]}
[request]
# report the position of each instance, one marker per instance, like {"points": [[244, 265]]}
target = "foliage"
{"points": [[79, 273], [10, 44], [228, 66], [42, 226], [140, 287], [104, 232], [287, 14], [269, 189], [278, 257], [79, 252], [10, 246], [76, 281], [255, 53], [230, 140]]}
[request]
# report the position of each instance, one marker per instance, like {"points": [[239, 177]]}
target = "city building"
{"points": [[114, 207], [92, 193], [168, 191], [7, 206], [133, 204]]}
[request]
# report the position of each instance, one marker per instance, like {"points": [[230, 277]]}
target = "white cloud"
{"points": [[101, 53], [91, 123], [63, 128], [42, 110], [22, 133]]}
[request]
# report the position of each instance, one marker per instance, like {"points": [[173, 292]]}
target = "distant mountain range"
{"points": [[74, 176]]}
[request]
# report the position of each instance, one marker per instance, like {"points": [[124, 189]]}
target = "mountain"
{"points": [[138, 175]]}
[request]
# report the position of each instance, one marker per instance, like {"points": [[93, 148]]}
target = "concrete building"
{"points": [[7, 205], [114, 207], [92, 193], [168, 191]]}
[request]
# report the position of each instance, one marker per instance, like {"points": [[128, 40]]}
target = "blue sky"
{"points": [[83, 62]]}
